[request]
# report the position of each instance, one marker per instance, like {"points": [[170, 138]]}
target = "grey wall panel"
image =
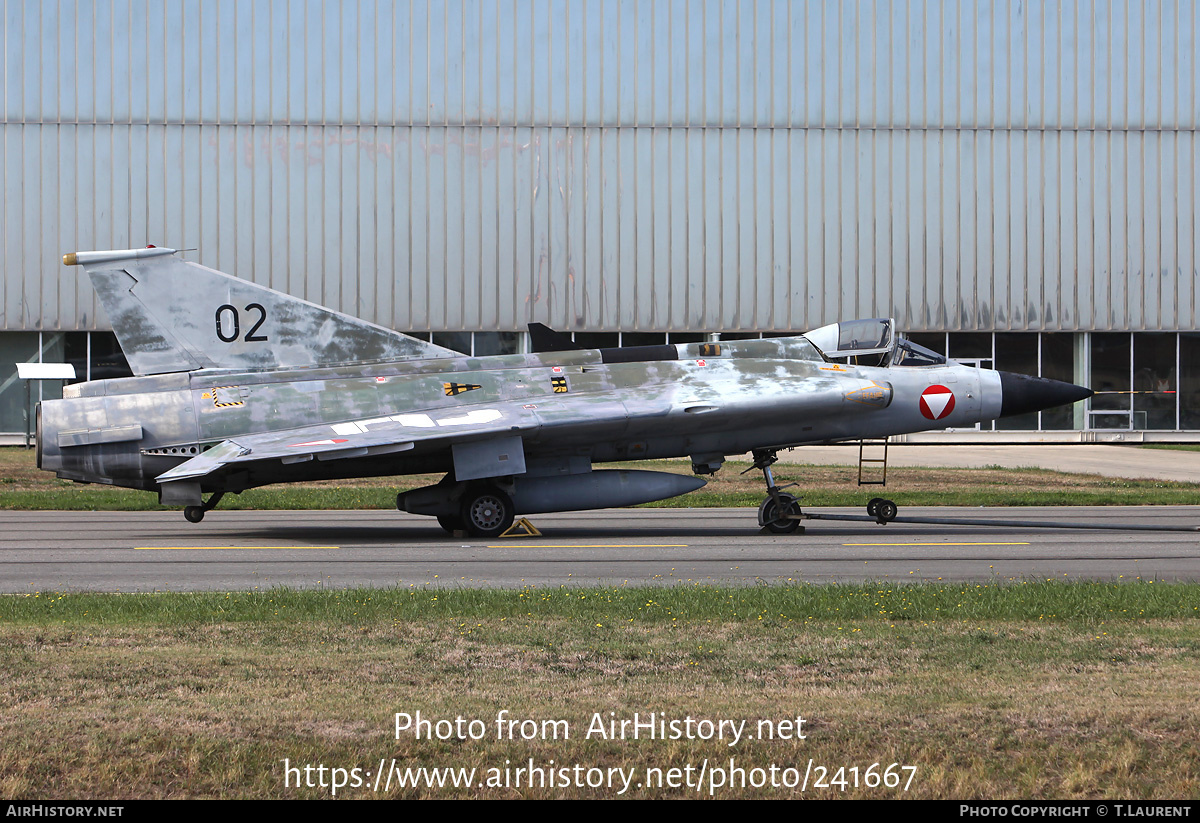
{"points": [[1182, 269], [626, 228], [604, 62], [628, 164]]}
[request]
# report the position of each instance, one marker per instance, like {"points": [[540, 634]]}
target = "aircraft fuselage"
{"points": [[750, 395]]}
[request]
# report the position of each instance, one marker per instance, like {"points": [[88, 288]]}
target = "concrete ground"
{"points": [[1111, 461], [248, 550]]}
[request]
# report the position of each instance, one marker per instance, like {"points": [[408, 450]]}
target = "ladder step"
{"points": [[863, 460]]}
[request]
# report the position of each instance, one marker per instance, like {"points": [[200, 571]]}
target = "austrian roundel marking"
{"points": [[936, 402]]}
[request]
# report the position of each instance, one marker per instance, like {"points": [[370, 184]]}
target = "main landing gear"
{"points": [[194, 514], [486, 512]]}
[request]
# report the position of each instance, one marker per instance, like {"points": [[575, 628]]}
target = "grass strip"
{"points": [[1015, 689], [1031, 600], [1181, 447]]}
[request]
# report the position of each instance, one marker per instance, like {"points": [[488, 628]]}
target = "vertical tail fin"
{"points": [[171, 315]]}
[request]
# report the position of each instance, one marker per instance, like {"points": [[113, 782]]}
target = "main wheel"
{"points": [[486, 512], [194, 514], [775, 521]]}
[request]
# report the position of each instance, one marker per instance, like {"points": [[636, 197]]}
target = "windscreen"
{"points": [[853, 338], [856, 335], [909, 353]]}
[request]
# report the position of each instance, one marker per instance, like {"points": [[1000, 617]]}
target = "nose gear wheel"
{"points": [[780, 513]]}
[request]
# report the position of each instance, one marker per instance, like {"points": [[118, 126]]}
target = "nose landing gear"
{"points": [[780, 513]]}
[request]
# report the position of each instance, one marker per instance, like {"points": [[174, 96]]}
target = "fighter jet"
{"points": [[238, 386]]}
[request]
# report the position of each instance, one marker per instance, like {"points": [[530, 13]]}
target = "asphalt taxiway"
{"points": [[239, 550]]}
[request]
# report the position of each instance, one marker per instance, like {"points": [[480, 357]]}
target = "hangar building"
{"points": [[1015, 183]]}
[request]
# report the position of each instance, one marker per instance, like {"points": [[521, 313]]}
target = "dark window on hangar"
{"points": [[1110, 360], [1017, 352], [1155, 382], [497, 342], [1189, 380], [459, 341], [1058, 363], [973, 346]]}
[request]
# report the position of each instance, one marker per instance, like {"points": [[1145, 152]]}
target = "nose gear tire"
{"points": [[775, 521]]}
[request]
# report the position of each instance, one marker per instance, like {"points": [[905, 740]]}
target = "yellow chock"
{"points": [[522, 528]]}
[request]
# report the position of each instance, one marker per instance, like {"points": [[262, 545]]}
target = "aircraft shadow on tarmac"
{"points": [[419, 533]]}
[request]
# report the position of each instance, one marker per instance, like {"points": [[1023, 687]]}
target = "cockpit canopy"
{"points": [[908, 353], [871, 343]]}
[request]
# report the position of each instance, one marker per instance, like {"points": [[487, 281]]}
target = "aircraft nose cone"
{"points": [[1021, 393]]}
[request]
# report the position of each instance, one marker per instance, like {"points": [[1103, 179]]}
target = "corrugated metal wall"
{"points": [[653, 165]]}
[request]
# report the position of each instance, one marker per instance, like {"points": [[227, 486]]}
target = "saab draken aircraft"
{"points": [[238, 386]]}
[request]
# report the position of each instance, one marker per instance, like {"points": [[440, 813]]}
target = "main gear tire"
{"points": [[487, 512]]}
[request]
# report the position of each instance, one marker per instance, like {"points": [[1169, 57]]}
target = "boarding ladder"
{"points": [[872, 461]]}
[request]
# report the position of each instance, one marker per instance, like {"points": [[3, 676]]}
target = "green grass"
{"points": [[1000, 600], [1029, 690]]}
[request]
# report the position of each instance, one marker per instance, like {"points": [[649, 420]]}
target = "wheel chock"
{"points": [[522, 528]]}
